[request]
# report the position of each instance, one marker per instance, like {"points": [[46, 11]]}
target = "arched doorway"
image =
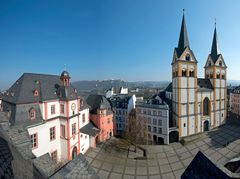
{"points": [[74, 153], [206, 126], [160, 140], [96, 139], [173, 136], [155, 139]]}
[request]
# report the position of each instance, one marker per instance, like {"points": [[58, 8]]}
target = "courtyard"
{"points": [[112, 159]]}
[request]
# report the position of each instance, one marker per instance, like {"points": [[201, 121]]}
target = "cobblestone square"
{"points": [[164, 161]]}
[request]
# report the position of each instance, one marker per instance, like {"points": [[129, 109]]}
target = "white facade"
{"points": [[63, 143], [235, 101], [84, 138], [109, 93], [156, 119], [122, 111], [123, 90]]}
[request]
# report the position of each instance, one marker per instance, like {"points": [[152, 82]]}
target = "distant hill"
{"points": [[233, 82], [101, 86]]}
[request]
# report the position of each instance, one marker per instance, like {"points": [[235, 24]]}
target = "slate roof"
{"points": [[84, 104], [204, 84], [120, 101], [77, 168], [96, 101], [5, 160], [19, 139], [169, 88], [236, 90], [45, 165], [215, 52], [48, 86], [90, 129], [183, 38], [233, 165], [202, 167]]}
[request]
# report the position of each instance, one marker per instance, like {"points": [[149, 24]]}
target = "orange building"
{"points": [[101, 115]]}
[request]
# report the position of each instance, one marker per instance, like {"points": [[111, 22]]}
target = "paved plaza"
{"points": [[111, 159]]}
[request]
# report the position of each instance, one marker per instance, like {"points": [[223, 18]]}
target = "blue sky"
{"points": [[131, 40]]}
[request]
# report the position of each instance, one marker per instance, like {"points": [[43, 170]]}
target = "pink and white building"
{"points": [[49, 107]]}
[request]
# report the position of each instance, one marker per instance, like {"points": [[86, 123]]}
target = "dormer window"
{"points": [[32, 113], [35, 92], [209, 64], [188, 58], [220, 63]]}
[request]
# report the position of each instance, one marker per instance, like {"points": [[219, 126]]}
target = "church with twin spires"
{"points": [[198, 104]]}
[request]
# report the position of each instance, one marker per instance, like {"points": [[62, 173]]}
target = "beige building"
{"points": [[235, 100], [198, 104]]}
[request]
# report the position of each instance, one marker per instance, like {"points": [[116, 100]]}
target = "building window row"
{"points": [[184, 73], [150, 112], [155, 121], [218, 76]]}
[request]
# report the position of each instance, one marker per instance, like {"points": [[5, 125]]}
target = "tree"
{"points": [[136, 131]]}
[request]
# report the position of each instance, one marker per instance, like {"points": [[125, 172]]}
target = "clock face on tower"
{"points": [[73, 106]]}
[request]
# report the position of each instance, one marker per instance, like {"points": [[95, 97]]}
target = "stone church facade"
{"points": [[198, 104]]}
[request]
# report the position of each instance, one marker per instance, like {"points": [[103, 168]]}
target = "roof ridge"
{"points": [[42, 74]]}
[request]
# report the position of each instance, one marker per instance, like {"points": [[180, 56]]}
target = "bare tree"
{"points": [[136, 131]]}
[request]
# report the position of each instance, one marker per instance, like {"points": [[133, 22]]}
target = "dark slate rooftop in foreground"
{"points": [[90, 129], [76, 168], [202, 167]]}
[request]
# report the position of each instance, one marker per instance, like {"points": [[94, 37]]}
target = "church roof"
{"points": [[183, 38], [169, 88], [204, 84], [215, 52], [48, 86]]}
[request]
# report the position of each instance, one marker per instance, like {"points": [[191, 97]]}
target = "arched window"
{"points": [[191, 73], [220, 63], [206, 107], [188, 58], [32, 113], [35, 92], [184, 73]]}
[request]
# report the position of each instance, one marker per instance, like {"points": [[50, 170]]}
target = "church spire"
{"points": [[183, 39], [215, 48]]}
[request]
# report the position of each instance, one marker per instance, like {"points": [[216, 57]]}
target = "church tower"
{"points": [[184, 85], [216, 71]]}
